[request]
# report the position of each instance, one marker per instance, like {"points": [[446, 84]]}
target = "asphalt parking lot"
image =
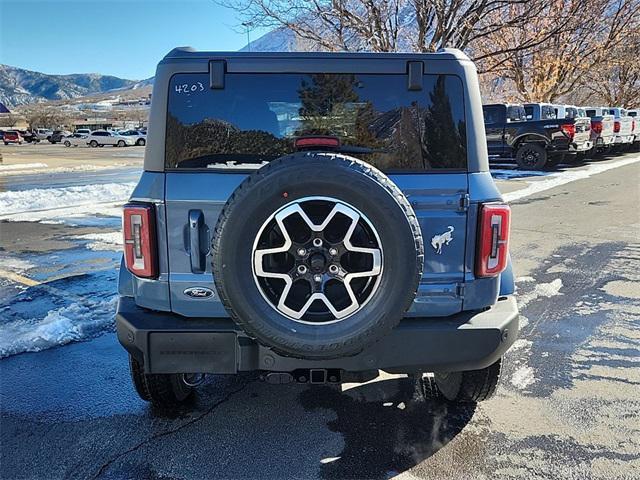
{"points": [[567, 406]]}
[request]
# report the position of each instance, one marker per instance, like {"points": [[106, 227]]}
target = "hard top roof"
{"points": [[191, 53]]}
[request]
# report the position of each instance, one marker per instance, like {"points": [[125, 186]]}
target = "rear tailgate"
{"points": [[626, 126], [607, 126], [193, 206], [583, 130]]}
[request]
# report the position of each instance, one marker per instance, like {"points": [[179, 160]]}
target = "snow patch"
{"points": [[525, 279], [507, 174], [103, 241], [21, 166], [77, 321], [562, 178], [623, 288], [559, 268], [521, 343], [523, 377], [15, 265], [44, 168], [550, 289], [75, 216], [51, 198]]}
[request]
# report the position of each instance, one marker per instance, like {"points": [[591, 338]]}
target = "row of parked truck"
{"points": [[541, 135]]}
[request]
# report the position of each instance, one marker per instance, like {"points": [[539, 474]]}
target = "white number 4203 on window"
{"points": [[189, 88]]}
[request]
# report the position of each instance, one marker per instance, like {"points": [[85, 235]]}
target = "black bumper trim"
{"points": [[169, 343]]}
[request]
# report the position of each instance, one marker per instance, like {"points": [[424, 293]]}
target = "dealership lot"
{"points": [[567, 406]]}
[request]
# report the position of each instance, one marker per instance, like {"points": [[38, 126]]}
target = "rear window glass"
{"points": [[548, 113], [529, 112], [516, 114], [493, 114], [258, 117]]}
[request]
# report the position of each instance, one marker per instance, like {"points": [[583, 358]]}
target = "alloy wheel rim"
{"points": [[317, 260], [531, 157]]}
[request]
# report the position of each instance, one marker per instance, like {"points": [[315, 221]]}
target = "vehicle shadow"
{"points": [[387, 427], [83, 390]]}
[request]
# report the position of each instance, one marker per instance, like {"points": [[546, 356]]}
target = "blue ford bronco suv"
{"points": [[316, 217]]}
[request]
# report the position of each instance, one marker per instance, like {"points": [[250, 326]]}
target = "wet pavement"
{"points": [[567, 406]]}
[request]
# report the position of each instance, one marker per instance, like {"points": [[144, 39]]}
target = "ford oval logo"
{"points": [[198, 292]]}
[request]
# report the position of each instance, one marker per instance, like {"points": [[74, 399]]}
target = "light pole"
{"points": [[248, 25]]}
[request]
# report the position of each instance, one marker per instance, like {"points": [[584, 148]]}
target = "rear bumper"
{"points": [[623, 139], [581, 147], [604, 141], [169, 343]]}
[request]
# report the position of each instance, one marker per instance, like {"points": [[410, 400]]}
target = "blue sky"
{"points": [[117, 37]]}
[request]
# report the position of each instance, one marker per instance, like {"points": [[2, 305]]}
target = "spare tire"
{"points": [[317, 255]]}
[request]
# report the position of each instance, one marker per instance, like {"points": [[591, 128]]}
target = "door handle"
{"points": [[196, 224]]}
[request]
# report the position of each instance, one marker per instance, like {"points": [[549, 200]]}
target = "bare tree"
{"points": [[616, 81], [39, 116], [525, 50], [566, 59], [8, 120], [393, 25]]}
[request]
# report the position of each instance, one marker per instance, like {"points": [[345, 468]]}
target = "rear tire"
{"points": [[67, 143], [141, 142], [137, 377], [121, 143], [164, 391], [93, 144], [464, 387], [531, 156]]}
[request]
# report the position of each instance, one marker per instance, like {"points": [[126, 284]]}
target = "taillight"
{"points": [[616, 127], [569, 130], [493, 240], [139, 228], [596, 127], [633, 125]]}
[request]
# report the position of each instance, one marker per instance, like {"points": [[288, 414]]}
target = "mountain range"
{"points": [[20, 87]]}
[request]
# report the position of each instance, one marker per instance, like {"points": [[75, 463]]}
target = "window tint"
{"points": [[591, 113], [529, 112], [257, 118], [493, 114], [516, 114], [547, 113], [633, 114]]}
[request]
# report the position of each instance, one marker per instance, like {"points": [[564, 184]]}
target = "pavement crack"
{"points": [[104, 467]]}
